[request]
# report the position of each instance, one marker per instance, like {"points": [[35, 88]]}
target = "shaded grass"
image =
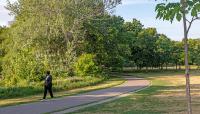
{"points": [[64, 92], [165, 96]]}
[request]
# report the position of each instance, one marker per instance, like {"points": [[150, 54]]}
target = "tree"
{"points": [[132, 30], [179, 10], [177, 54], [46, 35], [164, 49], [143, 48], [194, 51], [106, 38], [2, 50]]}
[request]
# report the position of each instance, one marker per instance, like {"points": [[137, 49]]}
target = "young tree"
{"points": [[179, 10]]}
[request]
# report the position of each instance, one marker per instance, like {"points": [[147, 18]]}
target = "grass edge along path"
{"points": [[166, 95], [80, 107], [113, 81]]}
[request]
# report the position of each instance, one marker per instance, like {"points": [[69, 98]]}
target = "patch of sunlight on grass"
{"points": [[165, 96]]}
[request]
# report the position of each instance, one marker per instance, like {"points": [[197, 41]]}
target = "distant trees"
{"points": [[150, 49], [194, 51], [177, 54]]}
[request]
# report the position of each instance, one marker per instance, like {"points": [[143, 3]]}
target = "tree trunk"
{"points": [[187, 76]]}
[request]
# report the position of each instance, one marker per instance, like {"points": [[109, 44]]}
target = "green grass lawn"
{"points": [[75, 86], [165, 96]]}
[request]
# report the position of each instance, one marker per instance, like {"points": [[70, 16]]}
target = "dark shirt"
{"points": [[48, 80]]}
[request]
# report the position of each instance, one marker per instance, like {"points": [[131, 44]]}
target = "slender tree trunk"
{"points": [[187, 76]]}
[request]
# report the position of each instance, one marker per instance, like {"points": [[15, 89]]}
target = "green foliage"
{"points": [[86, 65], [164, 50], [144, 48], [46, 36], [171, 11], [106, 38], [194, 51], [51, 35], [22, 69], [3, 31]]}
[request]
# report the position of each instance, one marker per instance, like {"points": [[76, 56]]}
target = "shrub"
{"points": [[86, 65], [19, 69]]}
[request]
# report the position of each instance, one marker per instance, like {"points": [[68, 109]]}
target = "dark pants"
{"points": [[49, 88]]}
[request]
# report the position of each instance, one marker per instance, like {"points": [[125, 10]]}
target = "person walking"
{"points": [[48, 85]]}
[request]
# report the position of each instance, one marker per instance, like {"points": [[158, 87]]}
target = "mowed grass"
{"points": [[68, 88], [165, 96]]}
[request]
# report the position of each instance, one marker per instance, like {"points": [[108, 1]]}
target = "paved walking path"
{"points": [[70, 102]]}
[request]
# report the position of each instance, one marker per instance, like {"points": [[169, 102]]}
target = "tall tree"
{"points": [[143, 48], [106, 38], [164, 49], [179, 10], [132, 29], [177, 54], [46, 35]]}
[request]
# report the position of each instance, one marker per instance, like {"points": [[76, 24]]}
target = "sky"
{"points": [[143, 10]]}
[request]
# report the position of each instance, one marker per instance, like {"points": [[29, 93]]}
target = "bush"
{"points": [[19, 69], [86, 65]]}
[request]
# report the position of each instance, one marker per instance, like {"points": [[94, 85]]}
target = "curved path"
{"points": [[70, 102]]}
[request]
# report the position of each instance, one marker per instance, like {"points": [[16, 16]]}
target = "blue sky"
{"points": [[143, 10]]}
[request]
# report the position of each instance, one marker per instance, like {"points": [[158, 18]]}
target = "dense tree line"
{"points": [[81, 38]]}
